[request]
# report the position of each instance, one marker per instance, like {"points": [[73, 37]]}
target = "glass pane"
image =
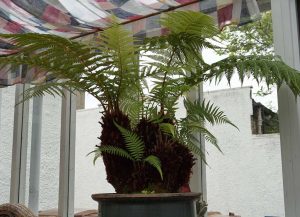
{"points": [[50, 149], [7, 105], [43, 180]]}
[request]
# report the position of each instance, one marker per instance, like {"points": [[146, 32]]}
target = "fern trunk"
{"points": [[128, 176], [118, 169]]}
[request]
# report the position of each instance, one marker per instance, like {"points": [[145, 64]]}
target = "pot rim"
{"points": [[146, 197]]}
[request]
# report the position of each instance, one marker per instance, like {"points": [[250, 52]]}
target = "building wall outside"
{"points": [[89, 178], [245, 179], [6, 135], [49, 148]]}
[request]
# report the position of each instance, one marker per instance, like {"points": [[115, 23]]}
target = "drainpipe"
{"points": [[259, 121]]}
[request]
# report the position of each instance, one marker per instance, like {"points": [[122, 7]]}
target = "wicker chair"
{"points": [[15, 210]]}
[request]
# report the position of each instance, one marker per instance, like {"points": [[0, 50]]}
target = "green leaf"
{"points": [[190, 22], [155, 162], [168, 128], [200, 110], [108, 149], [196, 150], [133, 142], [266, 68], [131, 104]]}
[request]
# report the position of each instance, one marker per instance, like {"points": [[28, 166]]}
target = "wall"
{"points": [[6, 135], [49, 148], [89, 178], [247, 177]]}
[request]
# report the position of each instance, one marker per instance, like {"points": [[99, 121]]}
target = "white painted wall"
{"points": [[247, 177], [89, 178], [6, 135], [49, 151]]}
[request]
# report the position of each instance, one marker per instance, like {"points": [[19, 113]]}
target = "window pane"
{"points": [[48, 175]]}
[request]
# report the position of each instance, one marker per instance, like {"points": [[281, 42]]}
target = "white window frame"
{"points": [[19, 149], [67, 153]]}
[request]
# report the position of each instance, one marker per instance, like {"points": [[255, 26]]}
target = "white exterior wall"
{"points": [[6, 135], [89, 179], [49, 148], [247, 178]]}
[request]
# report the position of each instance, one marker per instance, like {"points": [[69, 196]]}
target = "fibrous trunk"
{"points": [[131, 177]]}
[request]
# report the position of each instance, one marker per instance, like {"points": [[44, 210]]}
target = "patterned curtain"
{"points": [[84, 19]]}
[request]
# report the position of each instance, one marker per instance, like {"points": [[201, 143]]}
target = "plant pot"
{"points": [[147, 205]]}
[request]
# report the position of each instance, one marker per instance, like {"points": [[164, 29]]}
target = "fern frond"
{"points": [[168, 129], [133, 142], [190, 22], [52, 88], [263, 68], [196, 150], [190, 128], [155, 162], [132, 107], [108, 149], [188, 33], [208, 136], [201, 110]]}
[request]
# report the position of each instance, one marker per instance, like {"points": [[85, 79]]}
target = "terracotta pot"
{"points": [[147, 205]]}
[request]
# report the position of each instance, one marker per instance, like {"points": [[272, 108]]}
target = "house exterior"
{"points": [[247, 177]]}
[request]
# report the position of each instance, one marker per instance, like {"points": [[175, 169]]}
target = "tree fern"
{"points": [[110, 70]]}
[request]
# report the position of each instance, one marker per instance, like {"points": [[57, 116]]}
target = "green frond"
{"points": [[96, 153], [52, 88], [202, 110], [119, 43], [48, 48], [188, 32], [188, 131], [132, 107], [190, 22], [168, 129], [270, 69], [108, 149], [111, 66], [132, 103], [194, 147], [155, 162], [133, 142]]}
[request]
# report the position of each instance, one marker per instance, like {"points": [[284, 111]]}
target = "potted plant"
{"points": [[145, 147]]}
